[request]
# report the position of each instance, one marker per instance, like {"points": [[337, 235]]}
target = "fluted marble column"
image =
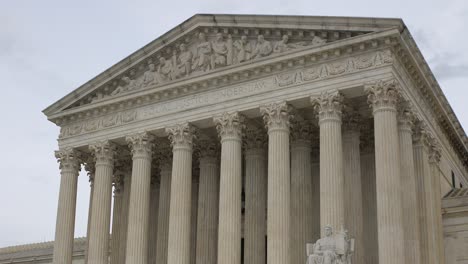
{"points": [[69, 160], [181, 137], [434, 177], [421, 170], [230, 127], [255, 196], [208, 202], [277, 116], [153, 221], [104, 153], [127, 172], [141, 145], [383, 96], [408, 186], [116, 219], [315, 193], [369, 196], [301, 190], [165, 163], [194, 212], [90, 169], [352, 182], [328, 106]]}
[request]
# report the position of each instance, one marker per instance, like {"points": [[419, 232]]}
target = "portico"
{"points": [[251, 110]]}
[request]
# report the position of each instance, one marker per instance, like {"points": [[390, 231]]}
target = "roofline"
{"points": [[323, 22]]}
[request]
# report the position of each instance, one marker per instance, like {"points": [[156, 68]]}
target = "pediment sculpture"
{"points": [[331, 249], [196, 57]]}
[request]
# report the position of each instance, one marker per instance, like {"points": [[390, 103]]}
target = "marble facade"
{"points": [[237, 141]]}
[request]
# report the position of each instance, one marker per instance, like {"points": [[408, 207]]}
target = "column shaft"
{"points": [[353, 191], [255, 204], [421, 166], [369, 198], [90, 168], [194, 216], [408, 184], [229, 128], [437, 197], [153, 222], [276, 116], [301, 199], [181, 195], [65, 225], [163, 215], [124, 213], [116, 221], [315, 196], [138, 217], [102, 200], [208, 202], [383, 97], [328, 106]]}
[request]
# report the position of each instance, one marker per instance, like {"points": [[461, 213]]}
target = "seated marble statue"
{"points": [[332, 249]]}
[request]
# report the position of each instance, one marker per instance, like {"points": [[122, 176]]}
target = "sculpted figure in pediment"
{"points": [[220, 51], [202, 58], [243, 49], [183, 62], [126, 85], [150, 77], [165, 70], [316, 41], [284, 45], [263, 48]]}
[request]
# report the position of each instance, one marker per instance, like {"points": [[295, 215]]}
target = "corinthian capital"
{"points": [[277, 115], [208, 148], [434, 150], [406, 116], [141, 144], [90, 167], [255, 138], [69, 160], [164, 155], [181, 135], [301, 131], [328, 105], [230, 124], [103, 151], [351, 120], [421, 135], [383, 94]]}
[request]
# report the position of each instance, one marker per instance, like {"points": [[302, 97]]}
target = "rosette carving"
{"points": [[69, 160], [230, 124], [328, 105], [182, 135], [277, 115], [383, 94], [141, 144], [103, 152]]}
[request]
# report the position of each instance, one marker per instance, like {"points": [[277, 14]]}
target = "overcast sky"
{"points": [[49, 48]]}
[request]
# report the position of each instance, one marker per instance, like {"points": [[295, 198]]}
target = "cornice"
{"points": [[426, 84], [231, 75]]}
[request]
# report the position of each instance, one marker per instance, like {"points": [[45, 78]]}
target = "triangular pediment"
{"points": [[205, 43]]}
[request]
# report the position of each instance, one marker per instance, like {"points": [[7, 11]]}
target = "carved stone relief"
{"points": [[303, 75], [198, 56]]}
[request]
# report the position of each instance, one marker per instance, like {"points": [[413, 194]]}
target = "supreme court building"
{"points": [[237, 138]]}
